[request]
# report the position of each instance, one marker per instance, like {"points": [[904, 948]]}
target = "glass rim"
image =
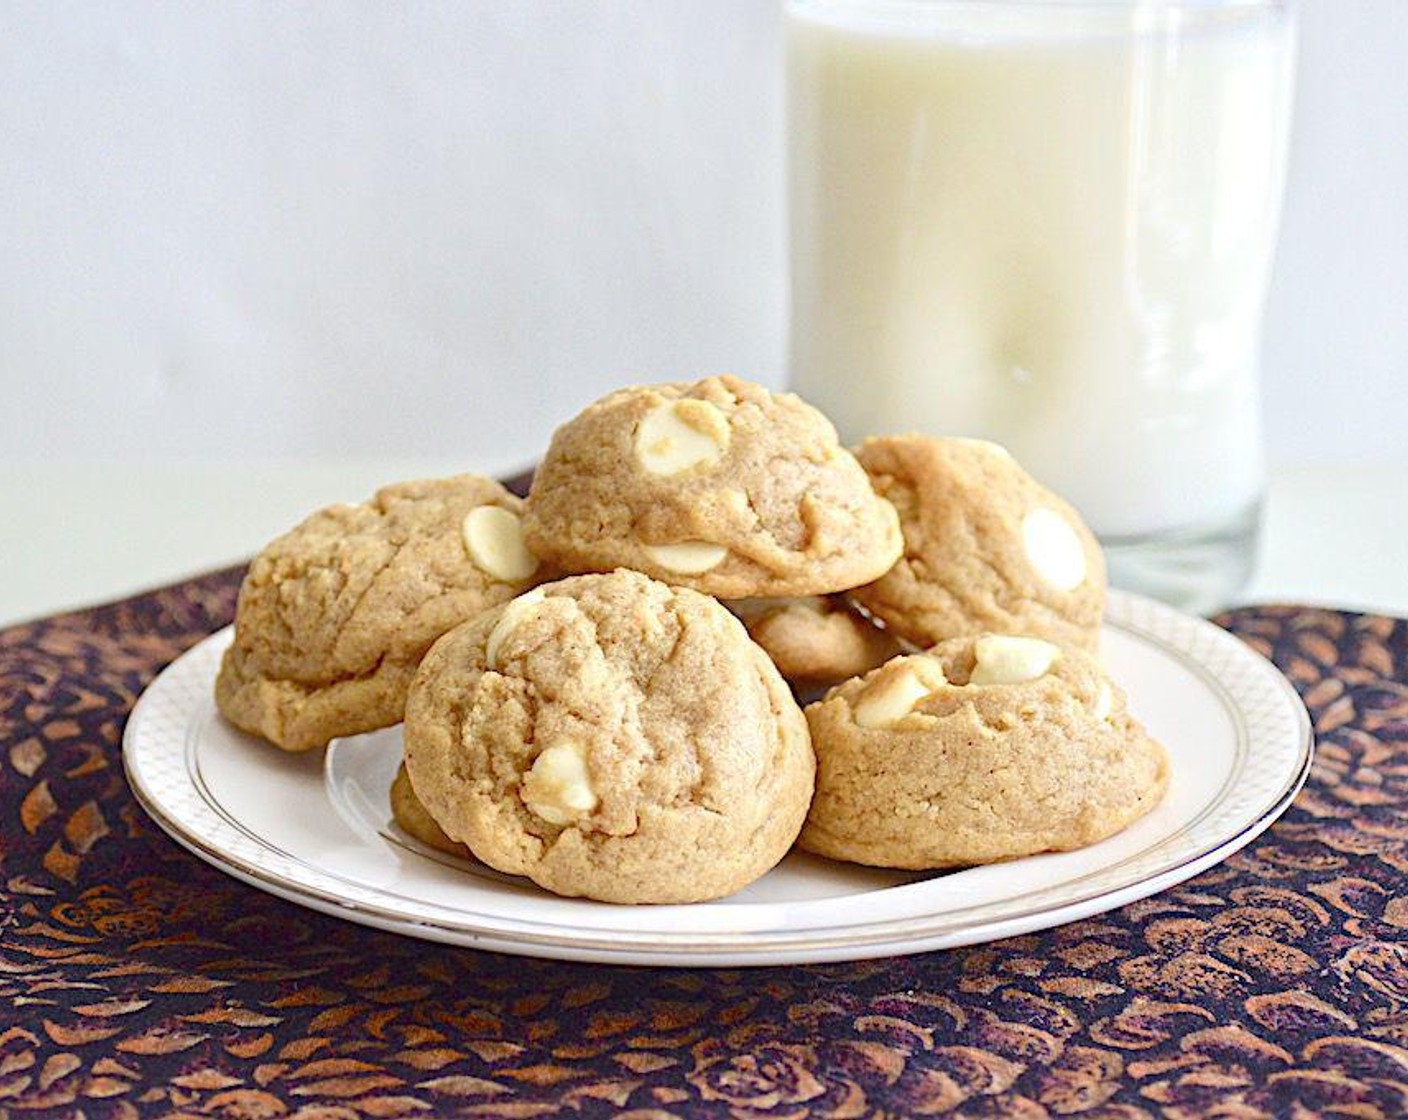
{"points": [[1053, 20], [879, 7]]}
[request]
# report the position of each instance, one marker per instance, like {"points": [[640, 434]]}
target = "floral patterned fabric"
{"points": [[135, 980]]}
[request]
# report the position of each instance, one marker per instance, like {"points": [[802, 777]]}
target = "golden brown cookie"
{"points": [[408, 812], [333, 616], [613, 737], [987, 548], [815, 639], [982, 749], [720, 486]]}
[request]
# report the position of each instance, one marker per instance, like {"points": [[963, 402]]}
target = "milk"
{"points": [[1049, 224]]}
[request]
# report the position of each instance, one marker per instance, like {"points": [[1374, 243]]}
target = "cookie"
{"points": [[982, 749], [720, 486], [815, 639], [408, 812], [333, 616], [612, 737], [987, 548]]}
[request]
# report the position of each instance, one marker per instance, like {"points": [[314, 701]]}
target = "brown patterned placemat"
{"points": [[135, 980]]}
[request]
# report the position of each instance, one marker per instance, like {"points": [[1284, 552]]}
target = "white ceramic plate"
{"points": [[316, 828]]}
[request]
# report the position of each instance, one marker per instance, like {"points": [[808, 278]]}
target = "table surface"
{"points": [[1334, 535], [135, 980]]}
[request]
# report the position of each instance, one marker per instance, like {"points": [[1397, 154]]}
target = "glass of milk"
{"points": [[1050, 223]]}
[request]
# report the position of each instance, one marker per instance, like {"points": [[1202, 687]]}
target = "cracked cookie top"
{"points": [[334, 615], [986, 547], [613, 737], [981, 749], [719, 485]]}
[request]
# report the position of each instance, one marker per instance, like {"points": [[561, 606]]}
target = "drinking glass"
{"points": [[1050, 223]]}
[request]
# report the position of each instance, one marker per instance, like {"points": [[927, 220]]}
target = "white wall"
{"points": [[378, 230], [1336, 357], [371, 231]]}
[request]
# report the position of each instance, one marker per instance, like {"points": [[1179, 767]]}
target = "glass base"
{"points": [[1198, 570]]}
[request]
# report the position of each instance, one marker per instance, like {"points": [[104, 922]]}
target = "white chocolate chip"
{"points": [[687, 558], [677, 435], [1053, 549], [514, 615], [1104, 702], [494, 537], [558, 787], [1005, 660], [888, 700]]}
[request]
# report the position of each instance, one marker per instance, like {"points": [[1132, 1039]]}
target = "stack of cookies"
{"points": [[594, 683]]}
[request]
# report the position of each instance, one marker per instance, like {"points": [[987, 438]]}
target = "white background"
{"points": [[257, 257]]}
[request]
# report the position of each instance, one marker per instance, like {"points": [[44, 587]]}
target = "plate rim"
{"points": [[854, 941]]}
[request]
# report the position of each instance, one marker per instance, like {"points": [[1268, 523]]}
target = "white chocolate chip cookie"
{"points": [[978, 750], [720, 486], [333, 616], [815, 639], [408, 812], [613, 737], [986, 547]]}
